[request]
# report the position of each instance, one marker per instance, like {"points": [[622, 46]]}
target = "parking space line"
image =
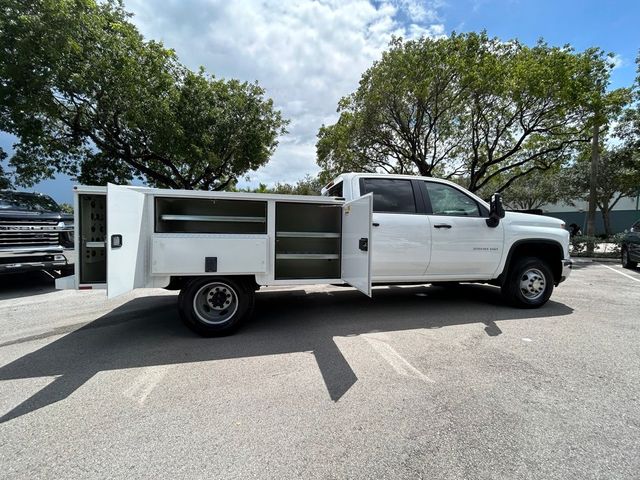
{"points": [[618, 271], [146, 382], [397, 362]]}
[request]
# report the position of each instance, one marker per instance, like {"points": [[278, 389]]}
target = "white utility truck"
{"points": [[218, 248]]}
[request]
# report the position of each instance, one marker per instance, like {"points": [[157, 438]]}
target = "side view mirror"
{"points": [[496, 211]]}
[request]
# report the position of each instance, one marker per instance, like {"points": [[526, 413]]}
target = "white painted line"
{"points": [[618, 271], [144, 384], [526, 339], [393, 358]]}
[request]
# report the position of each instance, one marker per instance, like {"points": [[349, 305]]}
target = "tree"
{"points": [[307, 186], [531, 192], [88, 96], [618, 176], [4, 179], [465, 106]]}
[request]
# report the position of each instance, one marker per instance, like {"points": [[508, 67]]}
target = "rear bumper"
{"points": [[50, 257], [567, 265]]}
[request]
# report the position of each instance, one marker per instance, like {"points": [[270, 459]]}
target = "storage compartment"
{"points": [[209, 215], [92, 252], [307, 241], [173, 254]]}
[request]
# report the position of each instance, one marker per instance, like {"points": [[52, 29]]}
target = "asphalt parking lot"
{"points": [[418, 382]]}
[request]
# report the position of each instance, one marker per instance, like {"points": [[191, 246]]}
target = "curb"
{"points": [[595, 259]]}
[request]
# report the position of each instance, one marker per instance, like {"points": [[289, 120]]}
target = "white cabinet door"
{"points": [[356, 243], [125, 252]]}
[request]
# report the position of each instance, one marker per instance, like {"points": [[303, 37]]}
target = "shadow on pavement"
{"points": [[147, 332], [16, 285]]}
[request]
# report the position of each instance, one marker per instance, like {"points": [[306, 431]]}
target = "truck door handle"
{"points": [[442, 225], [375, 224]]}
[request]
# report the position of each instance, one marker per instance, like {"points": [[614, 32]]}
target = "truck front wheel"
{"points": [[529, 283], [215, 306]]}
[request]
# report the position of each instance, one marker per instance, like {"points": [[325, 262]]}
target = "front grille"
{"points": [[16, 233]]}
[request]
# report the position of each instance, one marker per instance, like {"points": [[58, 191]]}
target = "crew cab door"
{"points": [[401, 233], [356, 243], [462, 245], [125, 233]]}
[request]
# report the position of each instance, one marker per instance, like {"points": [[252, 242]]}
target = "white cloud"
{"points": [[307, 54], [617, 61]]}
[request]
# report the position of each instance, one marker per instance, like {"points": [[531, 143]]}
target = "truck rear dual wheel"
{"points": [[215, 306], [529, 283]]}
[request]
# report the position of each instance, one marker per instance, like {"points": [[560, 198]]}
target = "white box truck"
{"points": [[218, 248]]}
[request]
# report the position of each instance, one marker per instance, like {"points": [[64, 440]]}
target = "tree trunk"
{"points": [[606, 219], [593, 185]]}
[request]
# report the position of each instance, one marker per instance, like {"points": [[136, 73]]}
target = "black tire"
{"points": [[529, 283], [215, 306], [626, 263]]}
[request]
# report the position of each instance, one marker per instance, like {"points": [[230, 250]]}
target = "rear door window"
{"points": [[390, 195]]}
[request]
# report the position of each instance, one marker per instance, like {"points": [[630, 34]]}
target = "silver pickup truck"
{"points": [[34, 234]]}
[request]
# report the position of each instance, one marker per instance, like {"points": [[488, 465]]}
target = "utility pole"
{"points": [[593, 185]]}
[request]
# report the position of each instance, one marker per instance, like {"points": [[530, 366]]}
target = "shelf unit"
{"points": [[308, 240], [205, 215], [92, 254]]}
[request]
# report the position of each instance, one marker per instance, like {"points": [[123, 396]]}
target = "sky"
{"points": [[308, 54]]}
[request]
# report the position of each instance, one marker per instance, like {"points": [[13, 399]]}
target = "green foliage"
{"points": [[88, 96], [618, 177], [469, 107], [4, 179], [66, 207], [529, 192], [307, 186], [604, 247]]}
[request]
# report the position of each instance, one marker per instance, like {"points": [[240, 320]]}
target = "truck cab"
{"points": [[433, 230]]}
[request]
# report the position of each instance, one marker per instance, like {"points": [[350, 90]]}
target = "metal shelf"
{"points": [[213, 218], [308, 234], [307, 256]]}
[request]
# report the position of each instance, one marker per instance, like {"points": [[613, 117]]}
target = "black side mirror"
{"points": [[496, 210]]}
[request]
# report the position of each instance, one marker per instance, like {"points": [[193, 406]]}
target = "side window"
{"points": [[390, 195], [446, 200], [335, 191]]}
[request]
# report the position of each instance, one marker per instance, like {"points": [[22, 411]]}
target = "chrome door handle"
{"points": [[442, 225]]}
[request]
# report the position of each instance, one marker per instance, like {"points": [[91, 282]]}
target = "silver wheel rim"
{"points": [[532, 284], [215, 303]]}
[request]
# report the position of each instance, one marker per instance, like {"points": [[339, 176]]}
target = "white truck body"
{"points": [[378, 229]]}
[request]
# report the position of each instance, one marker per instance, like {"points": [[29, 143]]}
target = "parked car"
{"points": [[34, 234], [631, 247], [219, 247]]}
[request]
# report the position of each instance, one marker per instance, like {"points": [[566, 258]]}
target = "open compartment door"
{"points": [[125, 250], [356, 243]]}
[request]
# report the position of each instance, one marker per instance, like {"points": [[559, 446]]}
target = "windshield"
{"points": [[27, 202]]}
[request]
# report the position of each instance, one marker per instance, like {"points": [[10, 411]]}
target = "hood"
{"points": [[518, 218]]}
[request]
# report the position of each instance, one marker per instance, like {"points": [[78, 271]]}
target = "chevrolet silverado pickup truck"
{"points": [[218, 248], [34, 234]]}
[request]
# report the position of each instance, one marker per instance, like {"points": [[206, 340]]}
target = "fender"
{"points": [[556, 269]]}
